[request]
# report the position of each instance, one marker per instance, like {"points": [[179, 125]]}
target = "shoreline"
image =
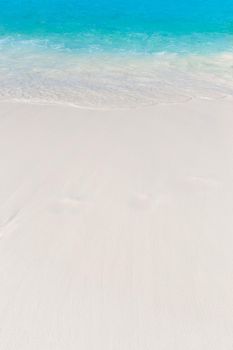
{"points": [[63, 104]]}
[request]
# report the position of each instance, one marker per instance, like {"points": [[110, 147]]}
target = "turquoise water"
{"points": [[115, 53]]}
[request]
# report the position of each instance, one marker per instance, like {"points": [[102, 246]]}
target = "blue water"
{"points": [[97, 53]]}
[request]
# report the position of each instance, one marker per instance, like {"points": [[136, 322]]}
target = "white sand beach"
{"points": [[116, 227]]}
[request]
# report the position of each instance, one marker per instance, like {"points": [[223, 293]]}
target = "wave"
{"points": [[51, 70]]}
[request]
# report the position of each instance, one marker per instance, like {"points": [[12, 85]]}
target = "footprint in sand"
{"points": [[145, 202], [68, 205], [8, 223], [67, 200], [140, 201], [203, 182], [18, 202]]}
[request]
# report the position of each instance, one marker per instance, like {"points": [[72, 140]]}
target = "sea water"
{"points": [[115, 53]]}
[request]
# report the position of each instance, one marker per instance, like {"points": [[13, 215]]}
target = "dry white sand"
{"points": [[116, 228]]}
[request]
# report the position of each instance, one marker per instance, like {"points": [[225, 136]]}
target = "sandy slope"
{"points": [[116, 228]]}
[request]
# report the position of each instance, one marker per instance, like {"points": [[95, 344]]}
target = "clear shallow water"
{"points": [[115, 53]]}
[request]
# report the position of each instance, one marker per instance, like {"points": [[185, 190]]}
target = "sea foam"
{"points": [[123, 55]]}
